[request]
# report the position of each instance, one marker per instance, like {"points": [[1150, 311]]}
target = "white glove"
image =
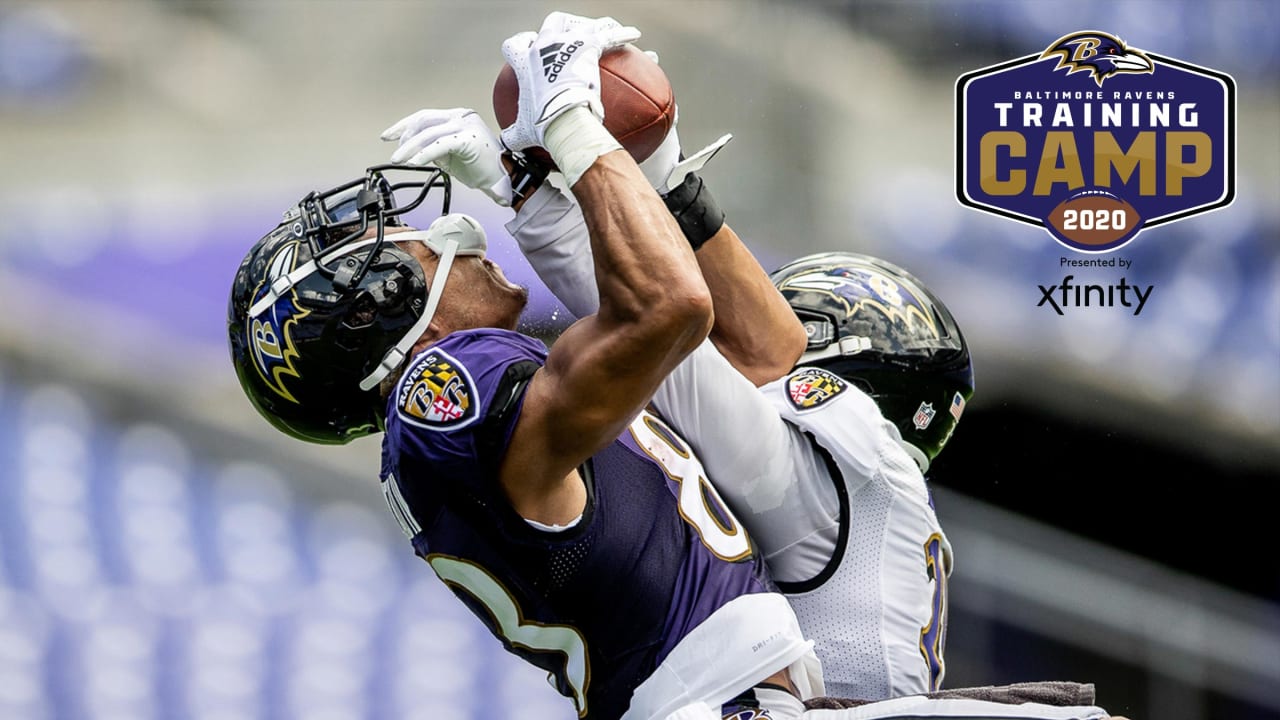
{"points": [[558, 69], [458, 142], [666, 171]]}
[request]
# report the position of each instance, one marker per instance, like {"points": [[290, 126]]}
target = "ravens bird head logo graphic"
{"points": [[1099, 54]]}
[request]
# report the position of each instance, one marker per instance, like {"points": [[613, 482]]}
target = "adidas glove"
{"points": [[458, 142], [558, 69]]}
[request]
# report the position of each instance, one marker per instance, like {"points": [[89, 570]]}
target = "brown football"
{"points": [[1094, 218], [639, 104]]}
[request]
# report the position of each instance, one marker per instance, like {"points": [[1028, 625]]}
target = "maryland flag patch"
{"points": [[437, 393], [810, 387]]}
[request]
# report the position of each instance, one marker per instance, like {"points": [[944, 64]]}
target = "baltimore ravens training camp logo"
{"points": [[810, 387], [1095, 140], [270, 333], [437, 393]]}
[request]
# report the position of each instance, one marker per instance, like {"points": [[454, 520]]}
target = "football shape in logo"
{"points": [[1094, 220]]}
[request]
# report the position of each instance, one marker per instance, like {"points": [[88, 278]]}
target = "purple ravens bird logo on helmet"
{"points": [[271, 334], [1099, 54]]}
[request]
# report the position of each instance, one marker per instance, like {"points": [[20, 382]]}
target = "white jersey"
{"points": [[838, 509], [877, 611]]}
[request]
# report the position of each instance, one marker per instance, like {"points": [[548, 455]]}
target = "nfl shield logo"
{"points": [[924, 416]]}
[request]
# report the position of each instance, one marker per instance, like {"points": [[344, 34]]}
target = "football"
{"points": [[639, 104], [1094, 218]]}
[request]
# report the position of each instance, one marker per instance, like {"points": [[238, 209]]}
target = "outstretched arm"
{"points": [[654, 307], [755, 328]]}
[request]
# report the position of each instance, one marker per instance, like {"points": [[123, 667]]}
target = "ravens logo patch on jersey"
{"points": [[810, 387], [437, 393]]}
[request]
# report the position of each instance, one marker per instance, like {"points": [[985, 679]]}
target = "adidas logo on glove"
{"points": [[553, 58]]}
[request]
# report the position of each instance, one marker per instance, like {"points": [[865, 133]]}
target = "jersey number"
{"points": [[506, 619], [933, 637], [699, 503], [509, 623]]}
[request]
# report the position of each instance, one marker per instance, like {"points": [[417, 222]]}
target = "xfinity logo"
{"points": [[1067, 295], [554, 57]]}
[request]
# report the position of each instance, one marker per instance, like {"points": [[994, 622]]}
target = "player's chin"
{"points": [[521, 294], [520, 300], [519, 291]]}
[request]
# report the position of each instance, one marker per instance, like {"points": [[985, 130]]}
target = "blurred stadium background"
{"points": [[163, 554]]}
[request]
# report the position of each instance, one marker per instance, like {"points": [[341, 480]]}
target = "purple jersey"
{"points": [[598, 605]]}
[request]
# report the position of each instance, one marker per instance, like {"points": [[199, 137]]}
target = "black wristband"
{"points": [[695, 210], [526, 177]]}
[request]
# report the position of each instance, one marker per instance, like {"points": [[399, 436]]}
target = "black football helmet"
{"points": [[320, 303], [877, 326]]}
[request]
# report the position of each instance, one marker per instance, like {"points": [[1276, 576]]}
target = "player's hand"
{"points": [[665, 170], [557, 69], [458, 142]]}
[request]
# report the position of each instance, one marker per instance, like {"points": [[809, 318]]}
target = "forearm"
{"points": [[654, 310], [755, 328], [643, 266]]}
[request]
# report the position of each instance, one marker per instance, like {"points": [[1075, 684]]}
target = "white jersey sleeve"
{"points": [[765, 468], [552, 234]]}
